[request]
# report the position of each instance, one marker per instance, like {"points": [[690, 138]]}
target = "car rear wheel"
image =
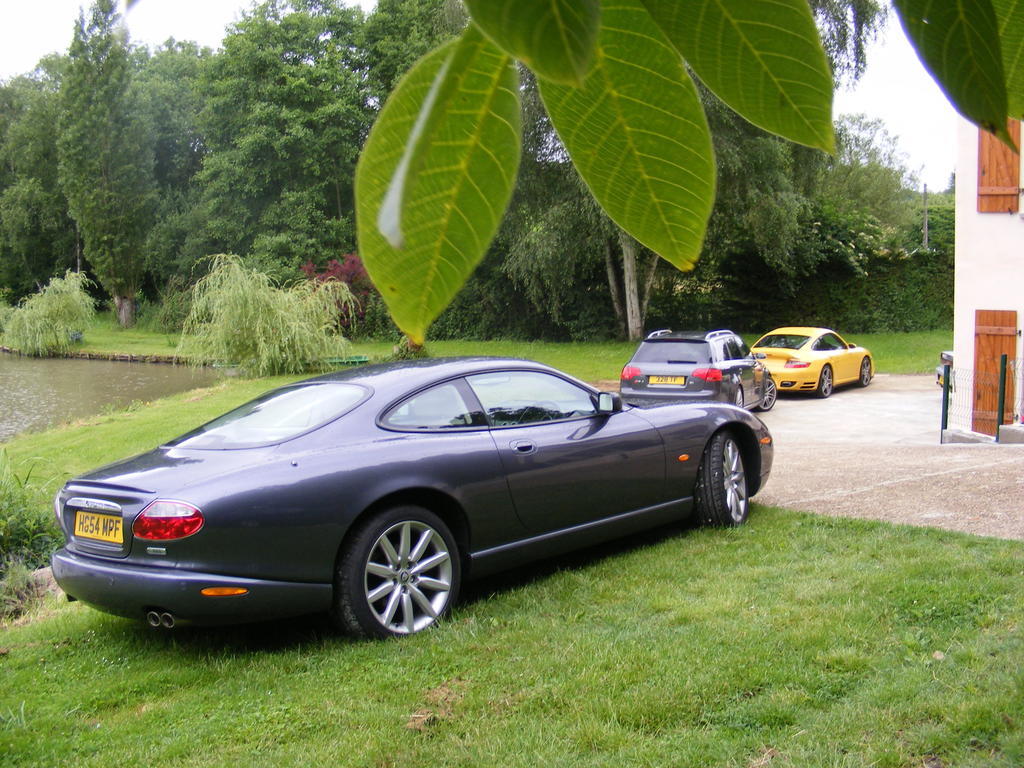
{"points": [[720, 496], [825, 382], [865, 372], [770, 395], [398, 573]]}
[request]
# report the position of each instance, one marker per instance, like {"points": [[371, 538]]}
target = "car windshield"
{"points": [[274, 417], [683, 351], [782, 341]]}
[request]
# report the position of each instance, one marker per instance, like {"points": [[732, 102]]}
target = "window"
{"points": [[782, 341], [275, 416], [828, 342], [680, 351], [440, 407], [736, 349], [528, 397]]}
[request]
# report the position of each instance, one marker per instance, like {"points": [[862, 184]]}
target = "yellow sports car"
{"points": [[812, 359]]}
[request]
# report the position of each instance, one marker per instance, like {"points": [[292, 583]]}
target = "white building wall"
{"points": [[989, 261]]}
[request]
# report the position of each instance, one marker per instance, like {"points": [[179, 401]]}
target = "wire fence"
{"points": [[974, 397]]}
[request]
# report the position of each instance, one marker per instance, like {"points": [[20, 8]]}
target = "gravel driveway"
{"points": [[875, 453]]}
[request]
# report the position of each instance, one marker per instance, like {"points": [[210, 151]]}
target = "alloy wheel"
{"points": [[408, 577], [865, 372], [734, 481], [825, 383], [771, 394]]}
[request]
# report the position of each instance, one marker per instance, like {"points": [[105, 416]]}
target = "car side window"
{"points": [[828, 342], [529, 397], [734, 349], [744, 349], [440, 407], [719, 352]]}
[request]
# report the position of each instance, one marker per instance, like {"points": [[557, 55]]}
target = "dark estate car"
{"points": [[696, 366], [372, 493]]}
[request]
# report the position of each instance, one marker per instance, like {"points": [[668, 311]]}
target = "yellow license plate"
{"points": [[667, 380], [89, 525]]}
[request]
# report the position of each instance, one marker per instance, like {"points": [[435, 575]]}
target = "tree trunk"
{"points": [[125, 306], [613, 286], [648, 284], [634, 320]]}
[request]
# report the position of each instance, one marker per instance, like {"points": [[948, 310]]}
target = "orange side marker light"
{"points": [[684, 457], [224, 591]]}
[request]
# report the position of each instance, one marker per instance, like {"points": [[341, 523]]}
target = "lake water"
{"points": [[37, 393]]}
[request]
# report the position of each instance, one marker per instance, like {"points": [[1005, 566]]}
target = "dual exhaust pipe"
{"points": [[163, 619]]}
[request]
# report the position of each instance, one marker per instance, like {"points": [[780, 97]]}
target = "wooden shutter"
{"points": [[998, 172], [995, 334]]}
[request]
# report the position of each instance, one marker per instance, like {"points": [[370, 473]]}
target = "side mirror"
{"points": [[609, 402], [760, 356]]}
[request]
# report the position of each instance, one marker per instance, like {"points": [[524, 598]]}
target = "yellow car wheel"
{"points": [[865, 372], [826, 382]]}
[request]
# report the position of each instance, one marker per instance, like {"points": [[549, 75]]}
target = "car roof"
{"points": [[805, 330], [670, 335], [395, 376]]}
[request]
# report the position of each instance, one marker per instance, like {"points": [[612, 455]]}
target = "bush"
{"points": [[6, 311], [19, 589], [173, 307], [239, 317], [28, 533], [47, 323]]}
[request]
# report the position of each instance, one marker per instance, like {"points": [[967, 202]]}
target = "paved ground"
{"points": [[875, 453]]}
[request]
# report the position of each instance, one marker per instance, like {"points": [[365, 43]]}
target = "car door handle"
{"points": [[522, 446]]}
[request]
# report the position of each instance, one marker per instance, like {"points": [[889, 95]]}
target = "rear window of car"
{"points": [[782, 341], [274, 417], [673, 351]]}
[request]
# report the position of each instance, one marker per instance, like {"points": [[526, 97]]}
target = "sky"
{"points": [[895, 87]]}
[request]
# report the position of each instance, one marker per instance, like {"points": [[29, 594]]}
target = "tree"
{"points": [[763, 190], [37, 235], [284, 117], [171, 100], [287, 329], [437, 170], [869, 172], [106, 159], [47, 322], [397, 33]]}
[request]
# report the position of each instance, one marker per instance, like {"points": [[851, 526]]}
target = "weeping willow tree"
{"points": [[240, 317], [48, 322]]}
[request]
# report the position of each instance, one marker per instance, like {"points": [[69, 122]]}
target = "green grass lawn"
{"points": [[795, 641], [591, 361], [105, 336]]}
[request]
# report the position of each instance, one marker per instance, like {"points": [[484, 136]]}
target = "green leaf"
{"points": [[763, 59], [1010, 17], [554, 38], [637, 134], [958, 43], [436, 175]]}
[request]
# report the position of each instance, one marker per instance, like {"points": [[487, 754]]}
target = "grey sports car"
{"points": [[371, 494]]}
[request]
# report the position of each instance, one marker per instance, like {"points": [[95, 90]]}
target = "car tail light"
{"points": [[630, 372], [164, 520], [707, 374], [797, 364]]}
